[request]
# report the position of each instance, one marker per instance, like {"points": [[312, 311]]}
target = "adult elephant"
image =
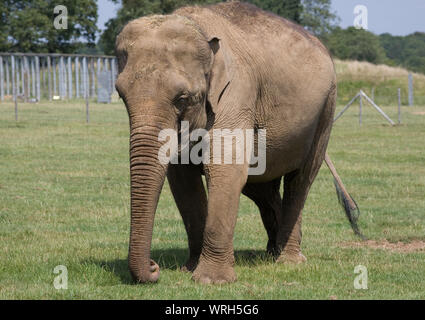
{"points": [[226, 66]]}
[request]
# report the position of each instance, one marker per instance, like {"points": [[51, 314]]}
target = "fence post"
{"points": [[93, 78], [1, 80], [27, 76], [12, 58], [360, 108], [77, 80], [7, 76], [85, 75], [18, 80], [410, 89], [113, 73], [49, 77], [37, 72], [399, 105], [33, 77], [69, 78]]}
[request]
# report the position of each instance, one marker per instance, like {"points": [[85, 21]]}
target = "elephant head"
{"points": [[169, 71]]}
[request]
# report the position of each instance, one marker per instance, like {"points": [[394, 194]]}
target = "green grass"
{"points": [[64, 200]]}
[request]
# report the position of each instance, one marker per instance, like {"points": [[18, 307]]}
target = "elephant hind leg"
{"points": [[297, 185], [268, 200], [190, 196]]}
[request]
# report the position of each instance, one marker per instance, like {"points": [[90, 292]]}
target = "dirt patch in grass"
{"points": [[403, 247], [419, 113]]}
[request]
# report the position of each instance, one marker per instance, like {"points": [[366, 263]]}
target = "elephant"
{"points": [[224, 66]]}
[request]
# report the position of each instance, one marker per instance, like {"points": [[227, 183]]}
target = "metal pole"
{"points": [[33, 77], [376, 107], [399, 105], [18, 80], [7, 76], [12, 58], [69, 78], [54, 76], [25, 79], [77, 86], [346, 107], [44, 68], [373, 93], [37, 72], [113, 73], [61, 87], [1, 80], [27, 75], [86, 95], [93, 78], [410, 89], [360, 109], [64, 78], [49, 77]]}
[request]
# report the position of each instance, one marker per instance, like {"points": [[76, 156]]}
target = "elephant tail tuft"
{"points": [[352, 212]]}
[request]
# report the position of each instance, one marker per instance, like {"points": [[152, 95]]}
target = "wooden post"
{"points": [[37, 73], [1, 80], [69, 78], [49, 77], [399, 105]]}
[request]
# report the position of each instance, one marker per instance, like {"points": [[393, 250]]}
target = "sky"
{"points": [[398, 17]]}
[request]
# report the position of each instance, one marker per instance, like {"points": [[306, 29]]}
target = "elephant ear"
{"points": [[221, 72]]}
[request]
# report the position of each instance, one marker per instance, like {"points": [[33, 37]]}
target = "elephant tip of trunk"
{"points": [[151, 275]]}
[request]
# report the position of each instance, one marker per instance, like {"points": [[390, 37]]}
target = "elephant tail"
{"points": [[347, 202]]}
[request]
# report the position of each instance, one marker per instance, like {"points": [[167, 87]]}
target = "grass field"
{"points": [[64, 200]]}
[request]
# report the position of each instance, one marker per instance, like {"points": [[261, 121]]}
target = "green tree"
{"points": [[27, 26], [356, 44], [132, 9], [407, 51], [317, 17], [290, 9]]}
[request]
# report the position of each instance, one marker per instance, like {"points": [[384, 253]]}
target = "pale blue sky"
{"points": [[398, 17]]}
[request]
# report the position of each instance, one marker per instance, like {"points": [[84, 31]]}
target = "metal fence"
{"points": [[32, 77]]}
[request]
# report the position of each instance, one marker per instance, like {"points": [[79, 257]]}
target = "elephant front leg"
{"points": [[216, 262], [189, 193]]}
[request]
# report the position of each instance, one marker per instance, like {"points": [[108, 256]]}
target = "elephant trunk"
{"points": [[147, 178]]}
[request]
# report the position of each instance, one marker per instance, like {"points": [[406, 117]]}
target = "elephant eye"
{"points": [[182, 100]]}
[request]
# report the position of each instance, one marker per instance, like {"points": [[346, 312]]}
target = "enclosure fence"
{"points": [[32, 77]]}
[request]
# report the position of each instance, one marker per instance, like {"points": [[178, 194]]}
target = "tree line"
{"points": [[26, 26]]}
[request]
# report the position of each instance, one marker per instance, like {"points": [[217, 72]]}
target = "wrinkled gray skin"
{"points": [[225, 66]]}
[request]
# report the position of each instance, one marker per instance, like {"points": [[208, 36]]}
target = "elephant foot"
{"points": [[206, 274], [291, 257], [272, 249], [190, 265]]}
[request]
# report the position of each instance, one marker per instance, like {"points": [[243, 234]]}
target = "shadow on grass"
{"points": [[173, 259]]}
